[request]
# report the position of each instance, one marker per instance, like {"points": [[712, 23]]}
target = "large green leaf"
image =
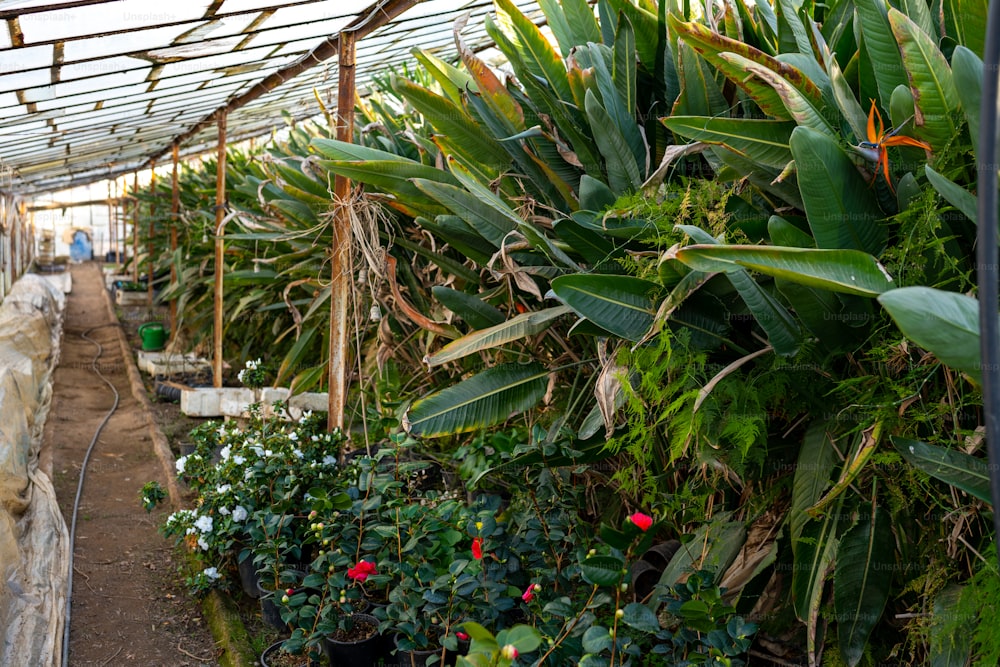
{"points": [[533, 48], [489, 222], [841, 208], [516, 328], [815, 556], [950, 643], [959, 469], [967, 73], [934, 95], [477, 313], [623, 171], [813, 471], [887, 63], [965, 22], [846, 271], [861, 581], [619, 304], [699, 94], [483, 400], [782, 332], [954, 194], [763, 141], [945, 323], [712, 46]]}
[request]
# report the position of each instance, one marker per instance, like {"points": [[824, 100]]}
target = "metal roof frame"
{"points": [[56, 132]]}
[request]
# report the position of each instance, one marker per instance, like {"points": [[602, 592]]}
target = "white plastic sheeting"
{"points": [[34, 542]]}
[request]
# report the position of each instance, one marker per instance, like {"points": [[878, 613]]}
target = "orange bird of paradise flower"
{"points": [[874, 150]]}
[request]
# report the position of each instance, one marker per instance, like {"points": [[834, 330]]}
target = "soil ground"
{"points": [[129, 602]]}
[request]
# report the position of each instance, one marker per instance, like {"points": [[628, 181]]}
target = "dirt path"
{"points": [[129, 605]]}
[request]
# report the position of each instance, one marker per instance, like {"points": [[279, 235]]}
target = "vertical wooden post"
{"points": [[135, 230], [175, 209], [340, 254], [112, 196], [220, 212], [150, 251]]}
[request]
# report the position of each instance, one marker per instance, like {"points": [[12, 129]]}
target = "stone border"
{"points": [[220, 612]]}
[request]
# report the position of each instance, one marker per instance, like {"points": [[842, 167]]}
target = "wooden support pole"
{"points": [[340, 254], [111, 217], [220, 213], [175, 209], [135, 232], [150, 249]]}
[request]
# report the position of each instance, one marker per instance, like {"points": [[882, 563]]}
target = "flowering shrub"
{"points": [[254, 374], [250, 483]]}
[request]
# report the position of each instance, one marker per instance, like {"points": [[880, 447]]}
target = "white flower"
{"points": [[314, 438], [268, 452], [224, 511], [239, 513], [226, 451], [305, 415], [204, 523], [224, 488], [181, 464], [329, 460], [211, 572], [248, 473], [203, 544], [239, 376], [293, 436], [239, 460], [258, 450], [297, 453]]}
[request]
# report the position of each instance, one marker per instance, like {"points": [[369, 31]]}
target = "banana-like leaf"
{"points": [[848, 105], [813, 470], [944, 323], [950, 644], [967, 73], [935, 97], [480, 401], [816, 553], [394, 177], [492, 224], [841, 208], [860, 582], [699, 94], [763, 141], [533, 48], [954, 194], [965, 22], [712, 46], [959, 469], [471, 143], [883, 50], [295, 357], [516, 328], [477, 313], [846, 271], [803, 110], [596, 249], [623, 172], [620, 304], [920, 14], [782, 332]]}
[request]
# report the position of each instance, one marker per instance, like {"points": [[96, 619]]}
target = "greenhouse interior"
{"points": [[499, 332]]}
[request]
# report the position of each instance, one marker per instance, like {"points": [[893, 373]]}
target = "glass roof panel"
{"points": [[230, 6], [290, 33], [102, 66], [129, 42], [119, 16], [16, 60]]}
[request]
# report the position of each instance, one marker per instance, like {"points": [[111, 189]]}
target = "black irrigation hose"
{"points": [[79, 486]]}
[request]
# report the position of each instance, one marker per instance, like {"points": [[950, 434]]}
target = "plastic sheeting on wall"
{"points": [[34, 541]]}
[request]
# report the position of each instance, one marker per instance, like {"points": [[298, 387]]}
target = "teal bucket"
{"points": [[153, 335]]}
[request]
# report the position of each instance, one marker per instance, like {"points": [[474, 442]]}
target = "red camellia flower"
{"points": [[361, 571], [462, 636], [477, 548], [642, 521], [529, 593]]}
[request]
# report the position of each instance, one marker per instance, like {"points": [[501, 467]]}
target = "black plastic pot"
{"points": [[249, 578], [271, 651], [269, 609], [365, 652]]}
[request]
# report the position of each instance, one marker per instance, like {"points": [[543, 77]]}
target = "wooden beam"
{"points": [[55, 205], [135, 231], [175, 209], [375, 17], [340, 254], [220, 212], [150, 250]]}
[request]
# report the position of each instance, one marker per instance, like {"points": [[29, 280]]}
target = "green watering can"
{"points": [[153, 335]]}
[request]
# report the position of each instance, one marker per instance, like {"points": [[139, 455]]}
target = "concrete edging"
{"points": [[223, 618]]}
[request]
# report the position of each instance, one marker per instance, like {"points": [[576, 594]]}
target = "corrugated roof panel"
{"points": [[74, 23]]}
